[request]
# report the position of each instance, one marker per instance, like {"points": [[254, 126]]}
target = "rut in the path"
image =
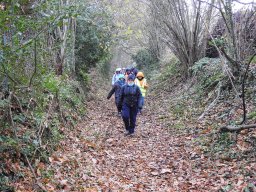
{"points": [[97, 156]]}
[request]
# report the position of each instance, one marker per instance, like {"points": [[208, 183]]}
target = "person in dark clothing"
{"points": [[117, 90], [127, 73], [129, 100], [134, 71]]}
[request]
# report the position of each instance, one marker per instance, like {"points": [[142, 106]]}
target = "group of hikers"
{"points": [[130, 87]]}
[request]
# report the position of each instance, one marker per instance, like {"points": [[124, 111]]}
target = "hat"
{"points": [[140, 74], [118, 69], [131, 77], [128, 69]]}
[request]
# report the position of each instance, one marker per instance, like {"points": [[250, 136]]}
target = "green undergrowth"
{"points": [[146, 61], [181, 103], [34, 120], [185, 102], [208, 73], [169, 70]]}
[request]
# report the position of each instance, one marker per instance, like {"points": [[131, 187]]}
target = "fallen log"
{"points": [[236, 128]]}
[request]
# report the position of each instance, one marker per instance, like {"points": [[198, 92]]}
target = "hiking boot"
{"points": [[128, 133]]}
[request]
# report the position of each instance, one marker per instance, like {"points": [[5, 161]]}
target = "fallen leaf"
{"points": [[50, 187], [64, 182], [154, 173], [163, 171]]}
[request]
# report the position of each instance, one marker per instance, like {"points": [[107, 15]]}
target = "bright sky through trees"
{"points": [[243, 3]]}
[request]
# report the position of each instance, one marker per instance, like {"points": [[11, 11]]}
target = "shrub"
{"points": [[208, 72], [145, 59], [93, 38], [53, 104]]}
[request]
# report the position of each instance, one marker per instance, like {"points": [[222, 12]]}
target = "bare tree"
{"points": [[155, 43], [182, 27], [235, 33]]}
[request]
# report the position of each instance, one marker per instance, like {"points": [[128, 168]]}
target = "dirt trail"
{"points": [[96, 156]]}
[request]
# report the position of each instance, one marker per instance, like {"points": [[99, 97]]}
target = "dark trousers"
{"points": [[129, 115], [141, 103], [117, 101]]}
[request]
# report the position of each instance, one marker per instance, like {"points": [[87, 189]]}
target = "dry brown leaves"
{"points": [[96, 156]]}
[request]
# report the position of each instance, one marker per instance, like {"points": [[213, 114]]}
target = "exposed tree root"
{"points": [[236, 128]]}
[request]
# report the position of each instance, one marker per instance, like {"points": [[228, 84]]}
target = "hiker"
{"points": [[134, 71], [129, 100], [123, 70], [127, 73], [115, 76], [141, 82], [117, 90]]}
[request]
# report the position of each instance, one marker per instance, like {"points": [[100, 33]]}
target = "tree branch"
{"points": [[34, 174], [243, 88], [236, 128], [12, 79], [232, 61], [243, 3], [213, 103]]}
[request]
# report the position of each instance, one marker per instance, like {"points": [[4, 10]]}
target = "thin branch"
{"points": [[5, 73], [229, 74], [18, 101], [213, 103], [211, 4], [244, 3], [41, 127], [46, 28], [30, 166], [34, 174], [243, 88]]}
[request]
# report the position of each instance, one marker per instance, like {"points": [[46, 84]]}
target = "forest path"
{"points": [[96, 156]]}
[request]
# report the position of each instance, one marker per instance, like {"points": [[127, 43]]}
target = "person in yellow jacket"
{"points": [[142, 83]]}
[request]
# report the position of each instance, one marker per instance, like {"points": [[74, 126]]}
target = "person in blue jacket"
{"points": [[117, 90], [129, 101], [115, 76]]}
